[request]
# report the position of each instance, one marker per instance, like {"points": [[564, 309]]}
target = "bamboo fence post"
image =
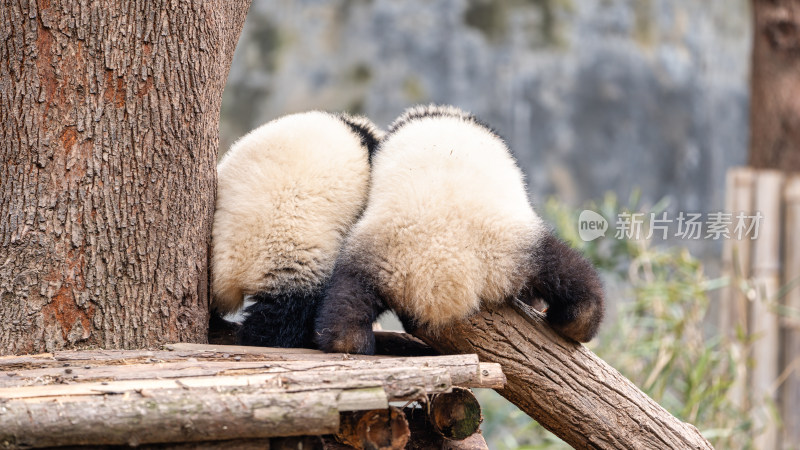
{"points": [[736, 254], [765, 323], [790, 397]]}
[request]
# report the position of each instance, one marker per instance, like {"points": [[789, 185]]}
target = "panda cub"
{"points": [[287, 194], [448, 227]]}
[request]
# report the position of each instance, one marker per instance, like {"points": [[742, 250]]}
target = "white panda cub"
{"points": [[287, 194], [449, 227]]}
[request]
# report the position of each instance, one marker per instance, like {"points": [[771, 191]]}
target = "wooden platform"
{"points": [[194, 393]]}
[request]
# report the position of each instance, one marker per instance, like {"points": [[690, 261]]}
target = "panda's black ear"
{"points": [[369, 134], [570, 286]]}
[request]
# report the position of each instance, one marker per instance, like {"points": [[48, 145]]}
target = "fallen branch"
{"points": [[563, 385]]}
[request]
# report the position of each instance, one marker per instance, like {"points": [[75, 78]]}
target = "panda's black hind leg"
{"points": [[350, 307], [570, 286], [281, 320]]}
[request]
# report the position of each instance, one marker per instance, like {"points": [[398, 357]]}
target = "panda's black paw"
{"points": [[354, 340], [570, 286]]}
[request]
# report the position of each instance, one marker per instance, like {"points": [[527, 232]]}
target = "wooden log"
{"points": [[563, 385], [790, 393], [393, 384], [324, 442], [765, 325], [463, 370], [167, 415], [378, 429], [455, 415]]}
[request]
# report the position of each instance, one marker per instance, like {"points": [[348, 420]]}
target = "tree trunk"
{"points": [[109, 117], [562, 385], [775, 89]]}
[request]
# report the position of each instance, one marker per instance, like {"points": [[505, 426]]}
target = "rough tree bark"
{"points": [[564, 386], [109, 117], [775, 86]]}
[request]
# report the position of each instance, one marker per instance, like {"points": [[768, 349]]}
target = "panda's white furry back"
{"points": [[445, 233], [448, 227], [287, 193]]}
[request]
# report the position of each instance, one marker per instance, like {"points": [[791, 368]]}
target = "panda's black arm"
{"points": [[570, 286], [350, 307]]}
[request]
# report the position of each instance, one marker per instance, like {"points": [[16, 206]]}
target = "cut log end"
{"points": [[456, 415], [385, 429]]}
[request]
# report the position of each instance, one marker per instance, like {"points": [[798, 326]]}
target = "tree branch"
{"points": [[563, 385]]}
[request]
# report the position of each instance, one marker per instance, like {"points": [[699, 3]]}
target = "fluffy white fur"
{"points": [[287, 193], [448, 222]]}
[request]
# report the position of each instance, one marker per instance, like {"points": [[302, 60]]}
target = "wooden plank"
{"points": [[765, 325]]}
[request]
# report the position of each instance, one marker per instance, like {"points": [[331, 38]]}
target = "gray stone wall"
{"points": [[592, 95]]}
